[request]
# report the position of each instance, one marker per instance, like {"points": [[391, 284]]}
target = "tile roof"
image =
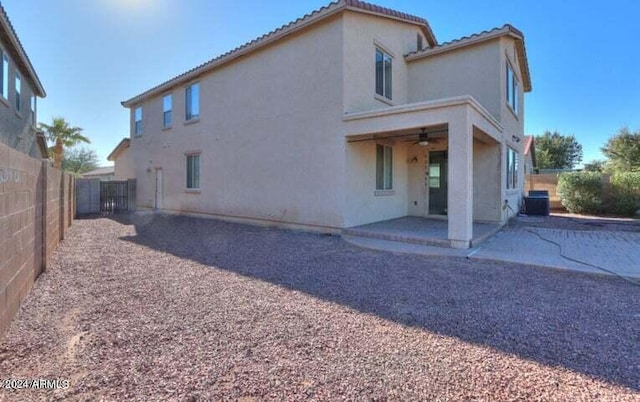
{"points": [[304, 21], [122, 145], [528, 142], [9, 33], [104, 170], [505, 30]]}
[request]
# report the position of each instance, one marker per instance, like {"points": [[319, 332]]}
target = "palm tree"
{"points": [[62, 135]]}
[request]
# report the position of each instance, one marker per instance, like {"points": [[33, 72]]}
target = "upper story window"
{"points": [[192, 102], [5, 75], [167, 102], [18, 89], [383, 74], [512, 168], [512, 89], [138, 120], [384, 167], [33, 110], [419, 42]]}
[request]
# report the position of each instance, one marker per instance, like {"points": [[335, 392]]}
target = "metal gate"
{"points": [[114, 197]]}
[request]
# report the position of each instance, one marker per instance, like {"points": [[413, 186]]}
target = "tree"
{"points": [[79, 160], [623, 151], [595, 166], [557, 151], [63, 136]]}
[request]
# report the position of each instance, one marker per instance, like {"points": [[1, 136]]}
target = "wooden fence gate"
{"points": [[114, 197]]}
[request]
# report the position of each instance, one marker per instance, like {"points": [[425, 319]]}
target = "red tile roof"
{"points": [[308, 19]]}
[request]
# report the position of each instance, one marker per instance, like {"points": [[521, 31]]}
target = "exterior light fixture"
{"points": [[423, 138]]}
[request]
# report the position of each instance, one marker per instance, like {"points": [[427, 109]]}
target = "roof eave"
{"points": [[276, 35], [7, 27], [122, 145], [507, 30]]}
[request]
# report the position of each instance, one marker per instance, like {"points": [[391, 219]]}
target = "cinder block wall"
{"points": [[546, 181], [36, 205]]}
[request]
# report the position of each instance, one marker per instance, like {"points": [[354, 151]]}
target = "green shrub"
{"points": [[625, 189], [581, 192]]}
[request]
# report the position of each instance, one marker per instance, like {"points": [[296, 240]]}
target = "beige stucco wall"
{"points": [[123, 166], [472, 70], [486, 182], [513, 124], [273, 144], [269, 136], [362, 34], [364, 203]]}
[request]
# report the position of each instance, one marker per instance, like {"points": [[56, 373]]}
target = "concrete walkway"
{"points": [[614, 252]]}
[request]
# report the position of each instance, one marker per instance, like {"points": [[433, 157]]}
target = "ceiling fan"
{"points": [[424, 139]]}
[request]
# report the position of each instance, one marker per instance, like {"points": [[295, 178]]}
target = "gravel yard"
{"points": [[157, 307]]}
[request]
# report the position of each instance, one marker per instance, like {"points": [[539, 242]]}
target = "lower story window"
{"points": [[193, 171], [512, 168], [384, 169]]}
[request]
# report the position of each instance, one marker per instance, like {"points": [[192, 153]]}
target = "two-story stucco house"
{"points": [[350, 115], [19, 89]]}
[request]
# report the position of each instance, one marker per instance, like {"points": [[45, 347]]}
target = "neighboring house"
{"points": [[121, 157], [350, 115], [105, 173], [529, 154], [19, 89]]}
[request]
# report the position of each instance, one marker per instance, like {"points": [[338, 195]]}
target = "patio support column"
{"points": [[460, 178]]}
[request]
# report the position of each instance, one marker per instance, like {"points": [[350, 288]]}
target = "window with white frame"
{"points": [[5, 75], [384, 167], [137, 130], [18, 89], [192, 102], [512, 89], [383, 74], [33, 110], [512, 168], [193, 172], [167, 102]]}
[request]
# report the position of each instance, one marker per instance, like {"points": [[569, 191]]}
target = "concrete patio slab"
{"points": [[598, 252], [418, 230]]}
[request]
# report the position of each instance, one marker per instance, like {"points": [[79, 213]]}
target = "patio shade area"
{"points": [[419, 230]]}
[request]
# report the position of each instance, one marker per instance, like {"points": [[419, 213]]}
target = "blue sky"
{"points": [[92, 54]]}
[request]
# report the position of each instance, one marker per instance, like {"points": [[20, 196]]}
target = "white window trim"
{"points": [[3, 56], [186, 161], [164, 125], [385, 51], [17, 93], [384, 191], [135, 121], [196, 118], [513, 184], [513, 100]]}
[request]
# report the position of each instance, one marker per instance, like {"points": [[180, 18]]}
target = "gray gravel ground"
{"points": [[157, 308]]}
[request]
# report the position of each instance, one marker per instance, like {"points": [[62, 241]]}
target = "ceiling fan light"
{"points": [[423, 143]]}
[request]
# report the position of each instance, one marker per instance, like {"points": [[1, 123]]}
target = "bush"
{"points": [[581, 192], [626, 193]]}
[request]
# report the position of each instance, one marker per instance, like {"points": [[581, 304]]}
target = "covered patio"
{"points": [[461, 163], [419, 230]]}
